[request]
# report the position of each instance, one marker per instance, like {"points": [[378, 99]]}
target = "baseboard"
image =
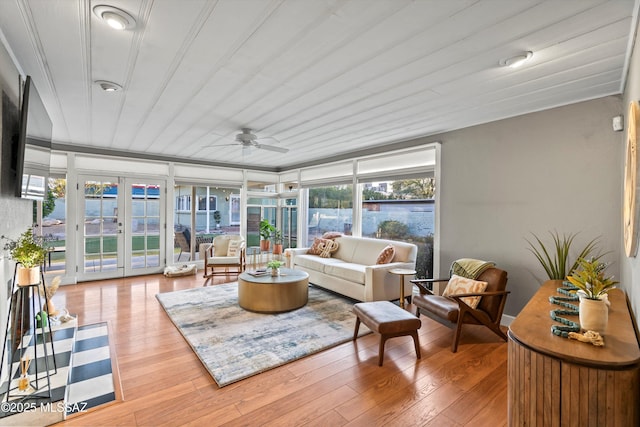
{"points": [[506, 320]]}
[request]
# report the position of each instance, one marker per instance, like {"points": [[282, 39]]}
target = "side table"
{"points": [[402, 272]]}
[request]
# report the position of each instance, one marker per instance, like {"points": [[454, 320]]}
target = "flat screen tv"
{"points": [[33, 146], [10, 131]]}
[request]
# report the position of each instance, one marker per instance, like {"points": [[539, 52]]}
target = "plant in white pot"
{"points": [[29, 251], [593, 287], [275, 265]]}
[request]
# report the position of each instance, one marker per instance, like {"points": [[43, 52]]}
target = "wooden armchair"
{"points": [[226, 251], [452, 311]]}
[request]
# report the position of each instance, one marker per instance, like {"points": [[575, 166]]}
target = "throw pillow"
{"points": [[316, 247], [328, 247], [462, 285], [234, 247], [386, 255], [220, 246], [332, 235]]}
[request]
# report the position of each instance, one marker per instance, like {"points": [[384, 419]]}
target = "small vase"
{"points": [[28, 276], [594, 315], [50, 308], [23, 382], [275, 272]]}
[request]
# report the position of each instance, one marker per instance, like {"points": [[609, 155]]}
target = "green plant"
{"points": [[266, 229], [392, 229], [217, 217], [28, 250], [590, 278], [274, 263], [277, 236], [556, 263]]}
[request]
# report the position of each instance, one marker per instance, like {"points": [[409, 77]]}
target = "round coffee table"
{"points": [[267, 294]]}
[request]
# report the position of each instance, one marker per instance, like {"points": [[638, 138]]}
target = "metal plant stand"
{"points": [[24, 295]]}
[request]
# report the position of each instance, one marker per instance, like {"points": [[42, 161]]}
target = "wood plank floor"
{"points": [[164, 383]]}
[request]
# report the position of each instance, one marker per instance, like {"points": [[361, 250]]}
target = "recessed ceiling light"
{"points": [[108, 86], [516, 60], [116, 18]]}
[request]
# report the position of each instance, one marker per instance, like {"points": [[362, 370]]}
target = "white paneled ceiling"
{"points": [[325, 78]]}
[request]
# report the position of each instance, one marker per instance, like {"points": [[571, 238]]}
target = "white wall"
{"points": [[557, 169], [630, 276], [15, 214]]}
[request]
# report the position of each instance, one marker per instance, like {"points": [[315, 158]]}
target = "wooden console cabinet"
{"points": [[555, 381]]}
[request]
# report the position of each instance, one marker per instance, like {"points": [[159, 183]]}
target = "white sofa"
{"points": [[352, 269]]}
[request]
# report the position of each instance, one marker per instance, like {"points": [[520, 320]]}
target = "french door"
{"points": [[122, 232], [290, 223]]}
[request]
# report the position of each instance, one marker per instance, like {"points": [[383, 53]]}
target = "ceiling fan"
{"points": [[248, 139]]}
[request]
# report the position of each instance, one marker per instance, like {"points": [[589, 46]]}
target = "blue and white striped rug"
{"points": [[86, 376], [92, 381]]}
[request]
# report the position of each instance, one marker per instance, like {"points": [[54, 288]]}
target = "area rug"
{"points": [[234, 344], [94, 380], [85, 377]]}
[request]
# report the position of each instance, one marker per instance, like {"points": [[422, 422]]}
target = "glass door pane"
{"points": [[101, 237], [254, 215], [144, 237], [290, 223]]}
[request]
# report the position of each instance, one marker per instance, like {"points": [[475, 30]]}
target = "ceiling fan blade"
{"points": [[219, 145], [272, 148], [268, 137]]}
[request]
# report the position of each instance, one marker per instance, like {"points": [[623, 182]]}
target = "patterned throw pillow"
{"points": [[462, 285], [316, 247], [234, 247], [386, 255], [328, 247], [332, 235]]}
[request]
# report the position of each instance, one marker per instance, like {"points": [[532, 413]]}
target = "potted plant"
{"points": [[277, 241], [217, 217], [275, 265], [555, 261], [593, 287], [29, 251], [266, 229]]}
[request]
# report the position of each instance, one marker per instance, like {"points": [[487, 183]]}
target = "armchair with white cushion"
{"points": [[225, 253]]}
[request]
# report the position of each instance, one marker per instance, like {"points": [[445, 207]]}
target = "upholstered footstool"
{"points": [[388, 320]]}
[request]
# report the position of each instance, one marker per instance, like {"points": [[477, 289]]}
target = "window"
{"points": [[183, 203], [202, 203], [234, 213], [212, 214], [403, 210], [54, 225], [330, 209]]}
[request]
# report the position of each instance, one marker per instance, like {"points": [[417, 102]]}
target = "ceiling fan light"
{"points": [[116, 18], [516, 60]]}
